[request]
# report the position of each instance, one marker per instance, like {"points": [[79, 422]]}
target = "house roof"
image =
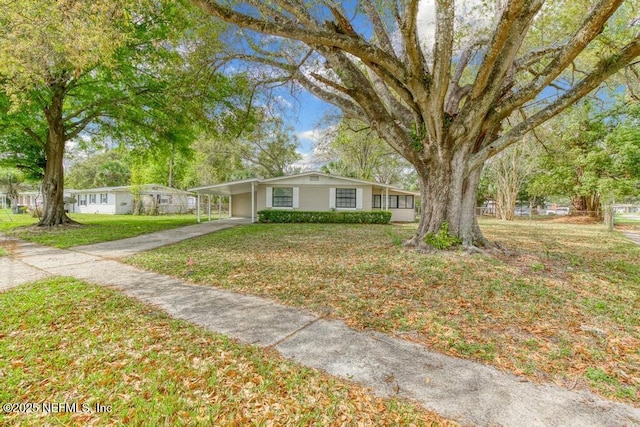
{"points": [[127, 188], [244, 186]]}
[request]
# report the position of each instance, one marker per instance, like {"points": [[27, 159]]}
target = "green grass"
{"points": [[93, 228], [63, 341], [10, 221], [628, 221], [567, 301]]}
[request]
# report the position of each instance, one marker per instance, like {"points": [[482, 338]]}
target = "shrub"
{"points": [[442, 239], [330, 217]]}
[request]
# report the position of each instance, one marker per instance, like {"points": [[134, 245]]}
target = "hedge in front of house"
{"points": [[329, 217]]}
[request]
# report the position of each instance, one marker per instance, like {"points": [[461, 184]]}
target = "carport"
{"points": [[240, 189]]}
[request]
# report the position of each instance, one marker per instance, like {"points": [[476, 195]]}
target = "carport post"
{"points": [[253, 202], [209, 207], [198, 209], [219, 207]]}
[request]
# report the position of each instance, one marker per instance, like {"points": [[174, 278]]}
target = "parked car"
{"points": [[558, 211]]}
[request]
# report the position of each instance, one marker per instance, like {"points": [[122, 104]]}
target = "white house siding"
{"points": [[97, 207], [313, 198], [241, 205], [398, 214], [403, 215], [123, 203]]}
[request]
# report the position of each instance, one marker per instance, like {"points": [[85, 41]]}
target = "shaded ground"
{"points": [[92, 346], [564, 307]]}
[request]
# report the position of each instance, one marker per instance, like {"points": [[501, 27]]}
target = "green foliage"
{"points": [[135, 72], [442, 239], [329, 217], [269, 147], [595, 155], [356, 151], [109, 169]]}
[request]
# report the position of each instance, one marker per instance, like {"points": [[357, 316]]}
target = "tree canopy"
{"points": [[130, 71], [447, 93]]}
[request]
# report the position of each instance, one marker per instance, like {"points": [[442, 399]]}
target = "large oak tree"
{"points": [[129, 71], [448, 92]]}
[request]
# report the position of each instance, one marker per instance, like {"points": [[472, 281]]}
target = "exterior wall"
{"points": [[123, 203], [241, 205], [398, 214], [314, 197], [403, 215], [97, 207]]}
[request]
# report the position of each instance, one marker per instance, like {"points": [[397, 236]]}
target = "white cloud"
{"points": [[315, 136], [312, 135], [476, 14], [282, 102], [308, 162]]}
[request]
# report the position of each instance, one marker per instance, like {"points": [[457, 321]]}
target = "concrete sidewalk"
{"points": [[633, 236], [145, 242], [464, 390]]}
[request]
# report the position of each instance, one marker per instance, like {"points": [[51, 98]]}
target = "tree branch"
{"points": [[592, 25], [33, 135], [603, 70], [350, 43]]}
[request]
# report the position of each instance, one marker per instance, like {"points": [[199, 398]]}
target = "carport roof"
{"points": [[227, 188]]}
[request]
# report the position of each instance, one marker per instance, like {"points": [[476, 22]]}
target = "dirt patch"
{"points": [[9, 245], [576, 220]]}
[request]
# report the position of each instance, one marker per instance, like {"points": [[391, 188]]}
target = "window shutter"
{"points": [[359, 194], [269, 201], [332, 198], [296, 197]]}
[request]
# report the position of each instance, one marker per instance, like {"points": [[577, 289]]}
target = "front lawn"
{"points": [[65, 342], [565, 307], [93, 228]]}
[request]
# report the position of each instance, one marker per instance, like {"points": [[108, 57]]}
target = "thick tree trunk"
{"points": [[53, 181], [587, 205], [449, 195]]}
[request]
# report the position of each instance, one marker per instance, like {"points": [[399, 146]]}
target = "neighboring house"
{"points": [[30, 199], [120, 200], [626, 208], [312, 191]]}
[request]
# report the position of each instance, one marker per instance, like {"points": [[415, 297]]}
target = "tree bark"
{"points": [[53, 181], [449, 195]]}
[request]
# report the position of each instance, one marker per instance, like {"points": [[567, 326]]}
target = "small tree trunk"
{"points": [[449, 196], [53, 181]]}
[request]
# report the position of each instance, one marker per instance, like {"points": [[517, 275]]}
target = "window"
{"points": [[104, 199], [82, 200], [92, 199], [282, 197], [377, 201], [345, 198], [405, 202], [401, 202]]}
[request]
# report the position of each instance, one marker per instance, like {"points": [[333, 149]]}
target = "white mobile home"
{"points": [[120, 200]]}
